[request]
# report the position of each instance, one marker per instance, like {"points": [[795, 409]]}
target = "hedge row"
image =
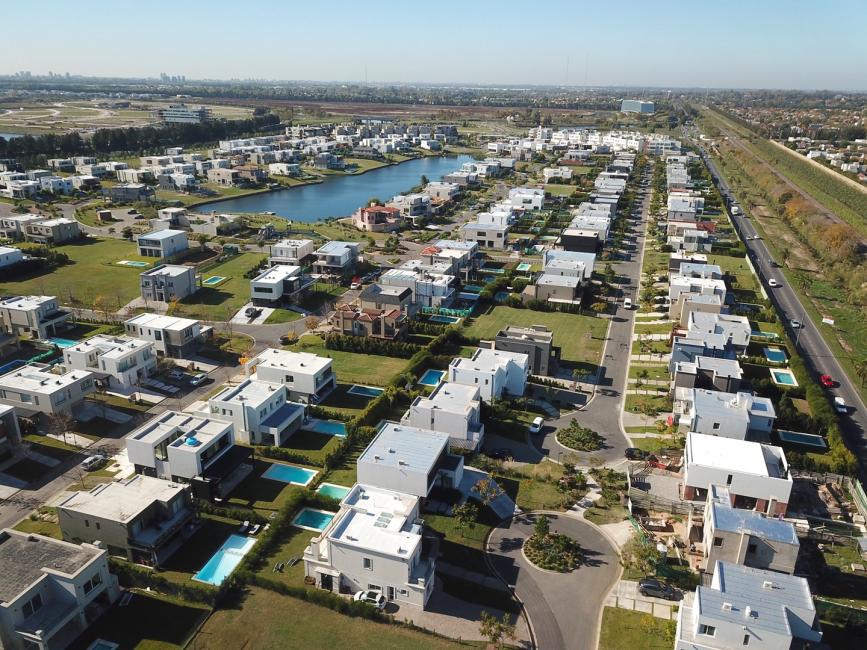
{"points": [[133, 575], [281, 453], [371, 345]]}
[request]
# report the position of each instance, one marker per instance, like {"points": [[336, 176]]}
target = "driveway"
{"points": [[564, 609]]}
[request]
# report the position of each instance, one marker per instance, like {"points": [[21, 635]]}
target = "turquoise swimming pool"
{"points": [[431, 377], [224, 561], [332, 491], [327, 427], [448, 320], [524, 266], [62, 343], [783, 378], [776, 355], [806, 439], [311, 519], [134, 264], [290, 474], [365, 391], [213, 281]]}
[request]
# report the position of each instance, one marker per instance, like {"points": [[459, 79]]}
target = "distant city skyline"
{"points": [[667, 44]]}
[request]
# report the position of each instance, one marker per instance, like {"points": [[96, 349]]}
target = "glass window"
{"points": [[367, 563], [707, 630]]}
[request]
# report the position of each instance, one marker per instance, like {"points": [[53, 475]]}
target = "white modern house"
{"points": [[374, 542], [747, 607], [308, 378], [51, 591], [168, 282], [409, 459], [494, 372], [290, 251], [172, 336], [486, 235], [10, 256], [260, 411], [190, 448], [38, 388], [451, 408], [122, 360], [529, 198], [164, 244], [756, 475], [730, 415], [278, 284], [37, 317], [336, 257], [428, 289]]}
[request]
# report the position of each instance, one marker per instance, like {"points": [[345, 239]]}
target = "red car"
{"points": [[826, 381]]}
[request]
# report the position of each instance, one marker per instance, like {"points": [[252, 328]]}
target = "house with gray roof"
{"points": [[730, 415], [710, 373]]}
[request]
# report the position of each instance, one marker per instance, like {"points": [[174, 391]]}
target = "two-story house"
{"points": [[36, 317], [37, 388], [260, 411], [308, 378], [451, 408], [168, 282], [172, 336], [121, 360]]}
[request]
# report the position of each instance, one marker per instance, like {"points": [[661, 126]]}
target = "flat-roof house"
{"points": [[451, 408], [190, 448], [172, 336], [121, 360], [166, 243], [10, 432], [168, 282], [536, 341], [486, 235], [142, 519], [756, 475], [14, 226], [260, 411], [374, 542], [308, 377], [747, 607], [746, 537], [279, 284], [414, 208], [495, 372], [223, 176], [336, 257], [409, 459], [36, 317], [582, 240], [132, 192], [428, 289], [38, 388], [51, 591], [709, 373], [684, 288], [731, 415], [290, 251], [52, 231]]}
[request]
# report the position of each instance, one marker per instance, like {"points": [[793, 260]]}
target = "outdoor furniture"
{"points": [[244, 527], [254, 529]]}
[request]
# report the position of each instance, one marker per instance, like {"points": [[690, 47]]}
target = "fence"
{"points": [[653, 502], [853, 485]]}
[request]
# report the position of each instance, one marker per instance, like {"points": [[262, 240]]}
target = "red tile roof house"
{"points": [[376, 218]]}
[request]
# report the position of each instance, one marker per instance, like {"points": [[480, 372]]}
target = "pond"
{"points": [[340, 196]]}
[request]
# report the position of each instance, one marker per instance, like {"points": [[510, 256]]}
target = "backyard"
{"points": [[623, 628], [351, 367], [222, 302]]}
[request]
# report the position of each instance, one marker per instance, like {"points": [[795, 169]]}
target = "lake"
{"points": [[9, 136], [340, 196]]}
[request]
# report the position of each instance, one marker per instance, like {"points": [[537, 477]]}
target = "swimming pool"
{"points": [[783, 378], [365, 391], [62, 343], [764, 335], [311, 519], [224, 561], [138, 265], [501, 296], [472, 288], [777, 355], [333, 491], [290, 474], [431, 377], [798, 438], [214, 280], [524, 266], [448, 320], [102, 644], [327, 427]]}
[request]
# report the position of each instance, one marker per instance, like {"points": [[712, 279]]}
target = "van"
{"points": [[92, 462]]}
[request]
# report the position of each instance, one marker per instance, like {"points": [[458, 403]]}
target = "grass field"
{"points": [[91, 274], [622, 629], [555, 189], [581, 338], [351, 367], [269, 620], [221, 303]]}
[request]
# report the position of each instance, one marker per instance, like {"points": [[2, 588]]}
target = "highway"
{"points": [[808, 340]]}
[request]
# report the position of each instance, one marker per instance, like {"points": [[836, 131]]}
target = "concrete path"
{"points": [[625, 595]]}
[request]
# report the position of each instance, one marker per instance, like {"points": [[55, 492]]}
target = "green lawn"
{"points": [[351, 367], [313, 445], [623, 629], [269, 620], [221, 303], [134, 627], [555, 189], [91, 274], [198, 549], [39, 527], [281, 315], [656, 372], [534, 489], [580, 338], [262, 494]]}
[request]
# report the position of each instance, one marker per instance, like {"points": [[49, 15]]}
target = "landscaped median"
{"points": [[552, 551]]}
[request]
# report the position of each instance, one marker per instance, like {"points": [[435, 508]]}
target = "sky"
{"points": [[793, 44]]}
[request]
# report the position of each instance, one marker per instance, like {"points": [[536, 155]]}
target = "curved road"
{"points": [[563, 608], [808, 340]]}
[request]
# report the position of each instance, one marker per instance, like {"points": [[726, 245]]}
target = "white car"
{"points": [[773, 283], [796, 324], [840, 405], [536, 426], [355, 285], [92, 462], [371, 597], [627, 303], [199, 379]]}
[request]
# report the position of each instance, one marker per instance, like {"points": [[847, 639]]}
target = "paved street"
{"points": [[563, 608]]}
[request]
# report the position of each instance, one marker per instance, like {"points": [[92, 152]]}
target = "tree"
{"points": [[311, 322], [609, 273], [599, 307], [496, 629], [202, 238], [127, 233], [465, 515], [641, 555], [59, 424], [542, 527], [487, 489], [861, 370]]}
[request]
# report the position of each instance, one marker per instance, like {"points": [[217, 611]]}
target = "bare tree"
{"points": [[59, 424]]}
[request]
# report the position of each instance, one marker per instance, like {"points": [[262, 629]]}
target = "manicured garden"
{"points": [[351, 367], [552, 551], [579, 438]]}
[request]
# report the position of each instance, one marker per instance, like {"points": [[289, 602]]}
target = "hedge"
{"points": [[229, 512], [132, 575], [281, 453], [371, 345]]}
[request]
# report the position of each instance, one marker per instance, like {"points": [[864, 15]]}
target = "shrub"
{"points": [[579, 438]]}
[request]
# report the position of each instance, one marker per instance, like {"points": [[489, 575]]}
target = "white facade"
{"points": [[10, 256], [290, 251], [307, 377], [428, 289], [260, 412], [494, 372], [45, 389], [168, 282], [172, 336], [162, 243], [451, 408], [126, 361]]}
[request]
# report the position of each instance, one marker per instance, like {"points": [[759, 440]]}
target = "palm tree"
{"points": [[861, 370]]}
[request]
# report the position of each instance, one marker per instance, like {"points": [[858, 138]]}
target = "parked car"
{"points": [[536, 426], [827, 381], [796, 324], [199, 379], [627, 303], [657, 589], [93, 462], [371, 597], [252, 312], [773, 283], [840, 405], [177, 375], [634, 453]]}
